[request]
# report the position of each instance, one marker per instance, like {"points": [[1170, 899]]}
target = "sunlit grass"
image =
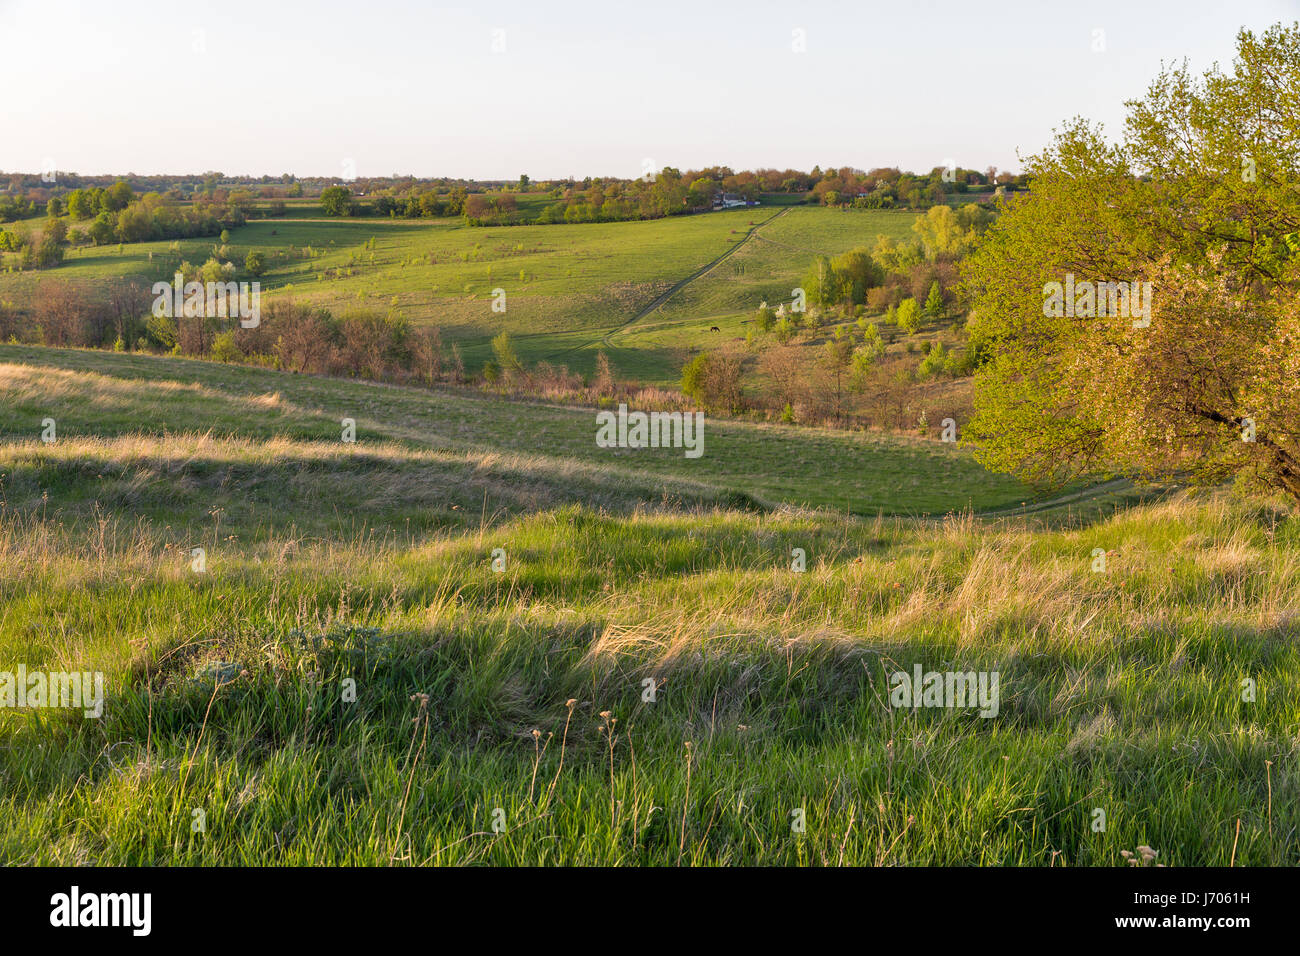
{"points": [[480, 690]]}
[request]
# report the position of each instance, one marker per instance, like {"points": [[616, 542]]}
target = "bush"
{"points": [[909, 316], [712, 380], [224, 348], [934, 364], [934, 301]]}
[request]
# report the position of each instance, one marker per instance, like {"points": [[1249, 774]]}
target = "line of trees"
{"points": [[890, 187], [411, 203], [116, 315], [668, 192], [115, 215]]}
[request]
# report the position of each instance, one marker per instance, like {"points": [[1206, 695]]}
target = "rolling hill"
{"points": [[472, 636]]}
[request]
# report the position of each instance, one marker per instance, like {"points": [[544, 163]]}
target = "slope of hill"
{"points": [[465, 638], [93, 394], [565, 286]]}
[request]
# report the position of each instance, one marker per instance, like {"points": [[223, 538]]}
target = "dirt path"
{"points": [[1083, 495], [660, 300]]}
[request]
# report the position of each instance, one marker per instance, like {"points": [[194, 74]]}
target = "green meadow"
{"points": [[645, 292], [473, 637], [96, 395]]}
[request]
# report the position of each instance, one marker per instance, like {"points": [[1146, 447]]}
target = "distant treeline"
{"points": [[99, 216], [665, 193], [229, 201]]}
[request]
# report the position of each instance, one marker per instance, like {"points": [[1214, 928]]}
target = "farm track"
{"points": [[658, 302], [1091, 493], [1043, 506]]}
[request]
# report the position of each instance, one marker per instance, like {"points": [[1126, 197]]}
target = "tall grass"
{"points": [[468, 639], [502, 717]]}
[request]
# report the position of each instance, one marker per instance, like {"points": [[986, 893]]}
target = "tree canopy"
{"points": [[1201, 200]]}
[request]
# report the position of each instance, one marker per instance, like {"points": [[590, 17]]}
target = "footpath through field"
{"points": [[660, 300]]}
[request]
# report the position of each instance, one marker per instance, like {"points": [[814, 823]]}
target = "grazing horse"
{"points": [[715, 329]]}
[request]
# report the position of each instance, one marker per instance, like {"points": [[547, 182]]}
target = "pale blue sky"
{"points": [[149, 86]]}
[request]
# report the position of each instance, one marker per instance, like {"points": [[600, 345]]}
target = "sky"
{"points": [[490, 90]]}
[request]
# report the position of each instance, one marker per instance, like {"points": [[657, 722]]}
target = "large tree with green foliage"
{"points": [[1202, 201], [336, 200]]}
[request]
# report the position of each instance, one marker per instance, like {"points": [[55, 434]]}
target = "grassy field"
{"points": [[97, 395], [764, 269], [501, 715], [570, 290]]}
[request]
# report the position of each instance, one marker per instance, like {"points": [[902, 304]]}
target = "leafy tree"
{"points": [[909, 316], [224, 348], [49, 253], [934, 301], [255, 263], [212, 271], [506, 358], [135, 223], [82, 204], [865, 358], [694, 374], [712, 380], [161, 331], [942, 234], [1202, 201], [820, 284], [974, 218], [855, 272], [117, 196], [897, 256], [934, 364], [336, 200], [702, 192]]}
